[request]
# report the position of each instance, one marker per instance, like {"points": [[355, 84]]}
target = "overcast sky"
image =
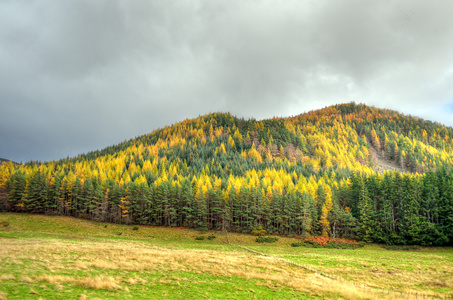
{"points": [[81, 75]]}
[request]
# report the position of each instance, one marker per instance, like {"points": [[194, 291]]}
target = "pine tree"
{"points": [[16, 190], [36, 194], [76, 199], [365, 227]]}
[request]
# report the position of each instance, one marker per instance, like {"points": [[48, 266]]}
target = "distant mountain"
{"points": [[347, 170], [3, 159]]}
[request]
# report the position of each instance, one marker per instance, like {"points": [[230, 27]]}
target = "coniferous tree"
{"points": [[16, 191], [365, 222], [36, 194]]}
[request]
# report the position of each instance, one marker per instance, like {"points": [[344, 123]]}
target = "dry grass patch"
{"points": [[136, 280], [7, 277], [54, 279], [140, 257], [99, 283], [80, 265], [26, 279]]}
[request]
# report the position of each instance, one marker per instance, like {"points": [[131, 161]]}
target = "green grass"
{"points": [[59, 257]]}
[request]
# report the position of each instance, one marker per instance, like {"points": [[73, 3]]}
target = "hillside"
{"points": [[324, 172]]}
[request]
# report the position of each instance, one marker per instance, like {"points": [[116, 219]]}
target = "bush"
{"points": [[211, 237], [199, 238], [337, 246], [312, 244], [264, 239], [259, 231], [135, 228]]}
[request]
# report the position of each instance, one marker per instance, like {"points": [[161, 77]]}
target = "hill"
{"points": [[325, 172]]}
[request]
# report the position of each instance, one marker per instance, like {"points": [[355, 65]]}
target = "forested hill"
{"points": [[318, 173]]}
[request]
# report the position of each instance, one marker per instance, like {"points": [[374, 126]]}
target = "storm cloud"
{"points": [[77, 75]]}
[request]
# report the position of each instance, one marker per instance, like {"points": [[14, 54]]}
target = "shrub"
{"points": [[336, 246], [135, 228], [211, 237], [312, 244], [259, 231], [199, 238], [264, 239]]}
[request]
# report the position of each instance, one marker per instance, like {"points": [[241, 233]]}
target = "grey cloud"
{"points": [[81, 75]]}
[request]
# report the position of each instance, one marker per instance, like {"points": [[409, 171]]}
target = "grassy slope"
{"points": [[60, 257]]}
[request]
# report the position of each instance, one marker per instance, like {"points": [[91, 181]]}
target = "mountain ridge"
{"points": [[361, 110], [6, 160]]}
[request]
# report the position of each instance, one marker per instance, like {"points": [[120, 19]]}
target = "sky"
{"points": [[81, 75]]}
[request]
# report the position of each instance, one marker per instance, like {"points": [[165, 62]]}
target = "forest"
{"points": [[317, 173]]}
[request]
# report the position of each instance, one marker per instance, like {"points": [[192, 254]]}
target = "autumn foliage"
{"points": [[308, 175]]}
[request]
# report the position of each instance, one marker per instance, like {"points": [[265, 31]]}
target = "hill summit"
{"points": [[347, 170]]}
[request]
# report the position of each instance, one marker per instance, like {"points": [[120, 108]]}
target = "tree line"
{"points": [[393, 208]]}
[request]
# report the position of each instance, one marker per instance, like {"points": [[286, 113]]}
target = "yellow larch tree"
{"points": [[230, 141], [375, 140], [326, 208]]}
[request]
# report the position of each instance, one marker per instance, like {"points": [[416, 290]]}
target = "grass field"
{"points": [[51, 257]]}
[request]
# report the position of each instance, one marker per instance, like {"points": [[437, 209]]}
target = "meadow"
{"points": [[54, 257]]}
